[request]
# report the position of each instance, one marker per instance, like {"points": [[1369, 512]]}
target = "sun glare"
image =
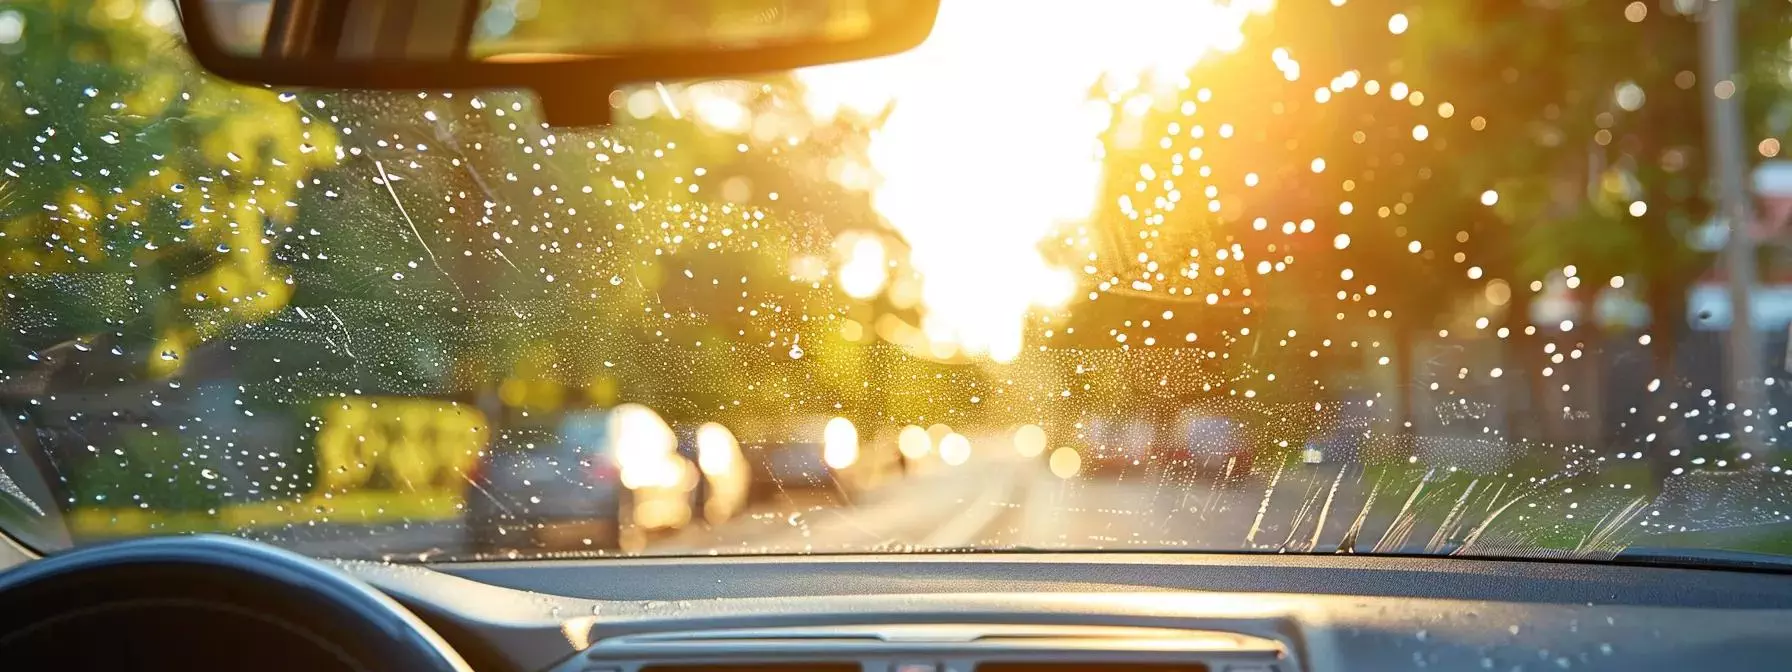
{"points": [[991, 142]]}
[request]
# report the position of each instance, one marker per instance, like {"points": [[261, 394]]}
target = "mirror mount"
{"points": [[353, 44], [585, 105]]}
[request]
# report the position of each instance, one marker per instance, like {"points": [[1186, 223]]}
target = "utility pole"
{"points": [[1724, 137]]}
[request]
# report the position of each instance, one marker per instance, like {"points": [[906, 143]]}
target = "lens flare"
{"points": [[864, 273], [992, 143]]}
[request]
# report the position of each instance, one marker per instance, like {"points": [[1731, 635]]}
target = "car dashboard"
{"points": [[985, 612]]}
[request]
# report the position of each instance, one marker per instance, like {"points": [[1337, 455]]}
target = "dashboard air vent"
{"points": [[937, 647], [1088, 667], [757, 667]]}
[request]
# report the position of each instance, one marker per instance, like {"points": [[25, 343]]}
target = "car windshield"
{"points": [[1364, 276]]}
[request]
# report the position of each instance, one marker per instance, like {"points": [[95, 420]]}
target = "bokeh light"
{"points": [[1065, 463], [913, 442], [1029, 440], [955, 449]]}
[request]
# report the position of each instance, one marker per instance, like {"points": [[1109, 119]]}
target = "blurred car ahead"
{"points": [[726, 479], [1214, 441], [1116, 444], [817, 454], [603, 480], [1342, 443]]}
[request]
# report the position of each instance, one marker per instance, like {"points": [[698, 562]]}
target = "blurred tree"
{"points": [[1422, 166], [143, 199], [1595, 147], [1262, 209], [677, 259], [139, 210]]}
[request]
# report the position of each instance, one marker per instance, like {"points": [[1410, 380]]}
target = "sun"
{"points": [[993, 142]]}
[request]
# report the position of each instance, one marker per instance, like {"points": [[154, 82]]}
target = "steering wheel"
{"points": [[202, 603]]}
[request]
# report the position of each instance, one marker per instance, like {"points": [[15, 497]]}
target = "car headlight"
{"points": [[840, 444], [645, 447]]}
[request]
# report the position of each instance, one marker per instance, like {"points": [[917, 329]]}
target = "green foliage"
{"points": [[147, 469], [129, 165]]}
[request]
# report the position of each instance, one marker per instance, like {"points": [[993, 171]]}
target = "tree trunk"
{"points": [[1525, 389], [1667, 308], [1405, 390]]}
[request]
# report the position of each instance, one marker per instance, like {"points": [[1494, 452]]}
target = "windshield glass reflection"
{"points": [[1367, 277]]}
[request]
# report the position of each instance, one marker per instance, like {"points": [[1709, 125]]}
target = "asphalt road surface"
{"points": [[1000, 500]]}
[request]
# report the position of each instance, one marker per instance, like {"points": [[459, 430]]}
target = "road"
{"points": [[1000, 500]]}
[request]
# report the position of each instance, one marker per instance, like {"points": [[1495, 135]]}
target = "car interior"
{"points": [[225, 603]]}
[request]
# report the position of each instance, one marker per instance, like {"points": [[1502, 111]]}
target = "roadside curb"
{"points": [[353, 508]]}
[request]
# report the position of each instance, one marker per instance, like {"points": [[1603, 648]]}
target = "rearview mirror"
{"points": [[570, 52]]}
